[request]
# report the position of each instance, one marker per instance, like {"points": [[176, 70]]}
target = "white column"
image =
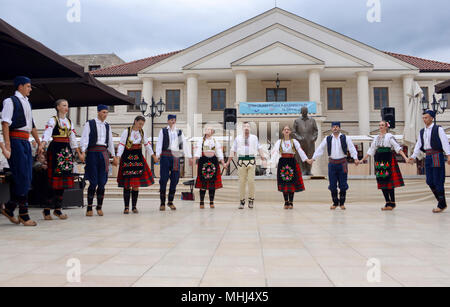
{"points": [[314, 88], [363, 102], [408, 81], [192, 101], [241, 87]]}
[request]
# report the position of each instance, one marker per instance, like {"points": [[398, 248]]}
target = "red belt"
{"points": [[340, 161], [431, 152], [135, 147], [61, 140], [16, 134], [287, 155]]}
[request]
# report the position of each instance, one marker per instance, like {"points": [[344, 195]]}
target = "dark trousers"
{"points": [[435, 175], [337, 175], [168, 172]]}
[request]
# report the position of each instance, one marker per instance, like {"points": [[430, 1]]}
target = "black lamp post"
{"points": [[277, 83], [438, 107], [156, 110]]}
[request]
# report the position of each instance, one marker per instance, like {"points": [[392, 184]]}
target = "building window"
{"points": [[381, 97], [78, 116], [218, 99], [334, 98], [425, 93], [173, 100], [111, 109], [94, 67], [137, 100], [273, 94]]}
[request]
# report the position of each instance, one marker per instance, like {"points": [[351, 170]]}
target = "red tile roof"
{"points": [[423, 64], [131, 68]]}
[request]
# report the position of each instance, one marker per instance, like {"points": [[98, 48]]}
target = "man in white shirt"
{"points": [[170, 148], [337, 146], [247, 147], [434, 142], [97, 140], [17, 125]]}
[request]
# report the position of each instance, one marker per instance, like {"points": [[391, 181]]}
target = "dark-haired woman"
{"points": [[133, 170], [210, 154], [387, 171], [59, 157], [289, 174]]}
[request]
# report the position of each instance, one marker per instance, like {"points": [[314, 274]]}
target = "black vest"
{"points": [[93, 134], [435, 141], [18, 119], [166, 140], [343, 143]]}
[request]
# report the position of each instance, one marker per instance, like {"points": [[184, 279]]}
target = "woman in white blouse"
{"points": [[133, 170], [387, 171], [62, 138], [289, 174], [210, 154]]}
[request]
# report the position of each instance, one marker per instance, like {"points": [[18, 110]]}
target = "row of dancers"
{"points": [[96, 147]]}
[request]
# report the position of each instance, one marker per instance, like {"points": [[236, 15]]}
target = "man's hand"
{"points": [[357, 162], [41, 147], [310, 161], [411, 161], [115, 161], [82, 157], [448, 159], [7, 154]]}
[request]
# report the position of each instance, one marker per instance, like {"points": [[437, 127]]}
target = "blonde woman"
{"points": [[210, 154], [387, 171]]}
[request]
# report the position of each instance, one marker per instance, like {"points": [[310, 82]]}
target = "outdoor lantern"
{"points": [[160, 106], [443, 103], [278, 82], [435, 104], [143, 106], [153, 110], [424, 104]]}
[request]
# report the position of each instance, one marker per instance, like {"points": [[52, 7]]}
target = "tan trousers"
{"points": [[247, 175]]}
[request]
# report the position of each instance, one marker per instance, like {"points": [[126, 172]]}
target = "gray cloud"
{"points": [[135, 29]]}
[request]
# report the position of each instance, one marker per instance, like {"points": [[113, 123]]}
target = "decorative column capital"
{"points": [[362, 74]]}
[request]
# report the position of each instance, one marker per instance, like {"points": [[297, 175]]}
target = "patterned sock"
{"points": [[23, 209], [291, 197], [134, 197], [202, 196], [126, 197], [100, 197], [212, 194]]}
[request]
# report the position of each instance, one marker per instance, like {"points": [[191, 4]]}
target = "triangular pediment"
{"points": [[277, 54], [332, 48], [277, 34]]}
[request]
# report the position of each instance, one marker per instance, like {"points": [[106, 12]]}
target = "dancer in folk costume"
{"points": [[170, 149], [434, 143], [246, 146], [59, 157], [289, 174], [17, 125], [387, 171], [210, 154], [97, 140], [337, 145], [133, 170]]}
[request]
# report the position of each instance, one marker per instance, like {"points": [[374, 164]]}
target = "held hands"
{"points": [[82, 157], [41, 147], [357, 162], [411, 161], [310, 161], [115, 161]]}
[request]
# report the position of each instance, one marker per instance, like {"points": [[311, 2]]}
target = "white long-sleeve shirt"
{"points": [[336, 149], [287, 149], [251, 147], [8, 110], [387, 140], [174, 144], [211, 147], [136, 138], [427, 140], [63, 122], [101, 137]]}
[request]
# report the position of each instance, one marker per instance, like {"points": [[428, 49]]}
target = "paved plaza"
{"points": [[267, 246]]}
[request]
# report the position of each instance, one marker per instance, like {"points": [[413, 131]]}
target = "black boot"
{"points": [[334, 197], [342, 198], [162, 197]]}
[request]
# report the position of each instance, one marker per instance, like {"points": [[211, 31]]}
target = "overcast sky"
{"points": [[135, 29]]}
